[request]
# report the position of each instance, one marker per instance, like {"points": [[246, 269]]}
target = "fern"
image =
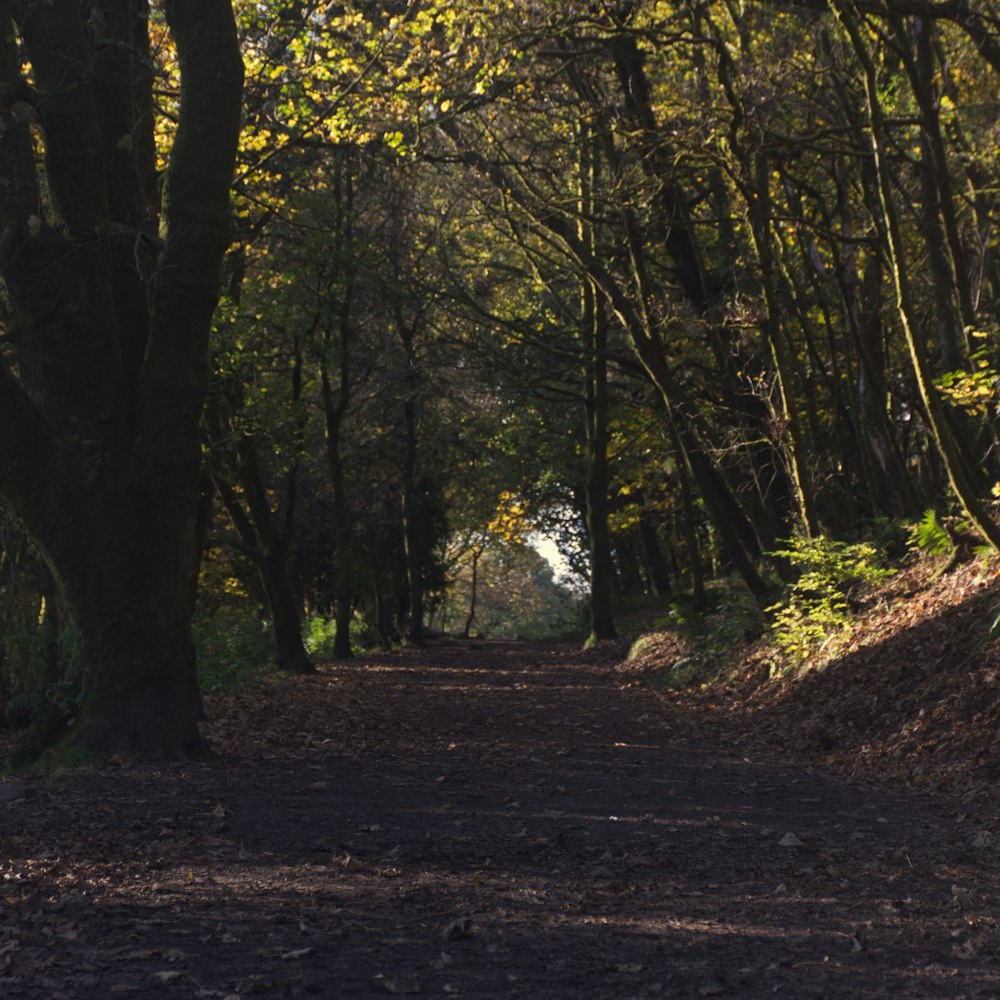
{"points": [[930, 535]]}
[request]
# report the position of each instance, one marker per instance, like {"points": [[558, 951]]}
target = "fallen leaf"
{"points": [[11, 791], [402, 982], [966, 951], [457, 929], [961, 898], [167, 977]]}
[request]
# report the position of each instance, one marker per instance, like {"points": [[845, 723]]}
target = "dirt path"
{"points": [[485, 821]]}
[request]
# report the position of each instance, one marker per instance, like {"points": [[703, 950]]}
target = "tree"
{"points": [[950, 448], [699, 182], [111, 276]]}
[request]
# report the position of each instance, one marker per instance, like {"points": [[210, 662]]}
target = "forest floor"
{"points": [[490, 820]]}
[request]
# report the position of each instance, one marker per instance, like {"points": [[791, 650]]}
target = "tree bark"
{"points": [[602, 625], [594, 342], [104, 387], [950, 450], [338, 344], [477, 551], [270, 549]]}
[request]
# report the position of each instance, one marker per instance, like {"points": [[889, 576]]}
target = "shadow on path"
{"points": [[492, 821]]}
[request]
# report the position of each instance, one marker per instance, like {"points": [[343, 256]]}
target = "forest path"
{"points": [[485, 820]]}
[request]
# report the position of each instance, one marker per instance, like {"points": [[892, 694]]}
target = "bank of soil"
{"points": [[909, 694], [487, 820]]}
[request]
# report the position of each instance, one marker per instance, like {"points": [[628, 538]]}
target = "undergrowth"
{"points": [[730, 617], [320, 633], [234, 648], [235, 645], [832, 576], [705, 638], [930, 536]]}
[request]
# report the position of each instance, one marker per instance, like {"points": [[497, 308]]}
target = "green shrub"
{"points": [[832, 574], [731, 615], [318, 636], [892, 537], [234, 647]]}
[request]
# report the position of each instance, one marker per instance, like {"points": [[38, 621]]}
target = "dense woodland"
{"points": [[305, 356]]}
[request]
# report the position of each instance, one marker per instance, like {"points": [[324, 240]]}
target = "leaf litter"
{"points": [[238, 876]]}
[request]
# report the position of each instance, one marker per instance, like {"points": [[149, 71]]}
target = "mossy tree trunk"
{"points": [[113, 278], [952, 453]]}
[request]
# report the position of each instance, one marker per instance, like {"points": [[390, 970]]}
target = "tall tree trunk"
{"points": [[411, 509], [114, 314], [335, 412], [657, 571], [477, 551], [594, 342], [700, 598], [950, 450], [753, 175], [894, 487], [270, 550], [338, 344], [729, 519], [602, 624]]}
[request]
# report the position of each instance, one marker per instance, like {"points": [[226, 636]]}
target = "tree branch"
{"points": [[195, 227], [979, 26]]}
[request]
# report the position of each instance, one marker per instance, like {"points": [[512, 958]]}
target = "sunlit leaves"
{"points": [[510, 522], [480, 111]]}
